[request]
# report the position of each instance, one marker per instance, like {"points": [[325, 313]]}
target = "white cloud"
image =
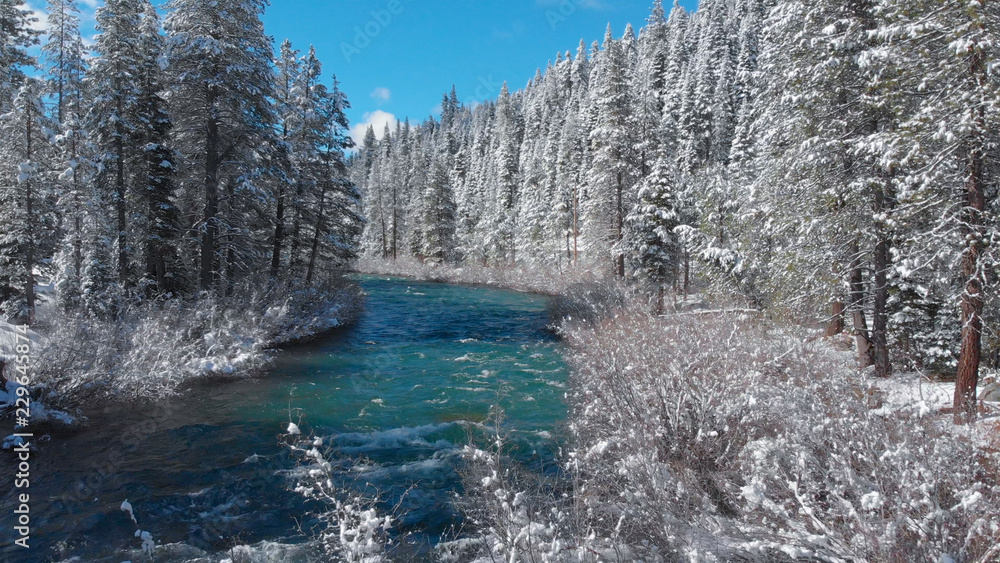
{"points": [[41, 22], [377, 119], [382, 94]]}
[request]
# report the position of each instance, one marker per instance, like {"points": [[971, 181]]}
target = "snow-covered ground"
{"points": [[913, 392], [39, 413]]}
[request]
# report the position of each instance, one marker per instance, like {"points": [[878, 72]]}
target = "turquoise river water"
{"points": [[397, 396]]}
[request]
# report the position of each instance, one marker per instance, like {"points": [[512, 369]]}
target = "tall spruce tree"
{"points": [[221, 86]]}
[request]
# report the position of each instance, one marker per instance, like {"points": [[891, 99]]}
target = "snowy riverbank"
{"points": [[716, 439], [528, 279], [157, 350]]}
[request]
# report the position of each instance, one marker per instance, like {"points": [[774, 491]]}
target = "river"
{"points": [[396, 395]]}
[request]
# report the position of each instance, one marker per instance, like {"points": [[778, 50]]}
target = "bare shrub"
{"points": [[712, 438], [348, 524], [709, 435]]}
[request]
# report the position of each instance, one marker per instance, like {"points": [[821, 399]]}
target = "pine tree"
{"points": [[649, 85], [837, 183], [16, 36], [221, 87], [612, 172], [509, 133], [156, 187], [338, 225], [112, 119], [24, 181], [652, 227], [438, 215], [65, 70], [946, 50], [287, 68], [64, 56]]}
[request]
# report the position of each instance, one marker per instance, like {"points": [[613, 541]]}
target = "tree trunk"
{"points": [[836, 325], [78, 219], [687, 274], [279, 232], [620, 228], [294, 257], [865, 354], [395, 224], [120, 200], [29, 255], [576, 227], [884, 202], [314, 251], [972, 228], [208, 239], [230, 277]]}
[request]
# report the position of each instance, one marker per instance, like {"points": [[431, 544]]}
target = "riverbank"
{"points": [[157, 350], [392, 400], [715, 438], [523, 278]]}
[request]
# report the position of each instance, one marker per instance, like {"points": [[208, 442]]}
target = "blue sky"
{"points": [[395, 58]]}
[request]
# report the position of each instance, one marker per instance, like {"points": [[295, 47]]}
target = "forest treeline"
{"points": [[174, 198], [827, 160], [167, 159]]}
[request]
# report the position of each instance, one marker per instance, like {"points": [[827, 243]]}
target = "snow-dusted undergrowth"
{"points": [[154, 349], [348, 525], [701, 438]]}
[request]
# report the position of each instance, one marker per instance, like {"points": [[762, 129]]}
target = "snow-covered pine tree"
{"points": [[612, 175], [507, 147], [63, 52], [652, 227], [649, 86], [24, 187], [700, 107], [155, 181], [112, 119], [946, 51], [287, 68], [439, 215], [338, 224], [17, 35], [677, 60], [533, 203], [65, 70], [221, 86], [376, 236], [818, 124], [305, 130]]}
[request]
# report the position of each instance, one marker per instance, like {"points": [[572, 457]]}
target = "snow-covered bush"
{"points": [[349, 526], [710, 438], [587, 302], [520, 514], [152, 349], [713, 439]]}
